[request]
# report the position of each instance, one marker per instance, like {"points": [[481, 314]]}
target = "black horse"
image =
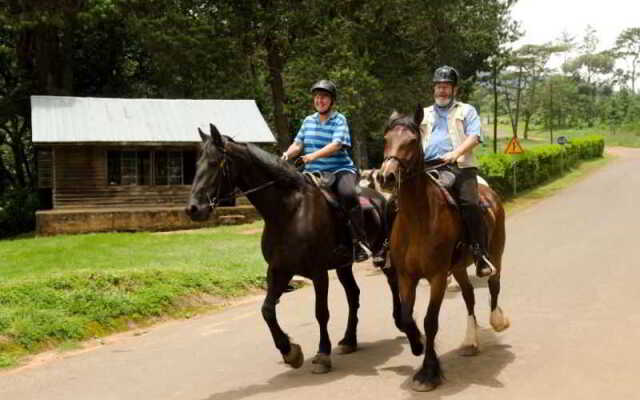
{"points": [[302, 233]]}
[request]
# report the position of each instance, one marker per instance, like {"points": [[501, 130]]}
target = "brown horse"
{"points": [[426, 242]]}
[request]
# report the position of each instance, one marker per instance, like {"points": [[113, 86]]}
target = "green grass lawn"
{"points": [[209, 249], [60, 290]]}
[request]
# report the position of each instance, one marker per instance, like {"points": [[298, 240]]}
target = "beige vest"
{"points": [[455, 123]]}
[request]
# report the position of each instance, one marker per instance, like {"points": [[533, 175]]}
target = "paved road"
{"points": [[570, 288]]}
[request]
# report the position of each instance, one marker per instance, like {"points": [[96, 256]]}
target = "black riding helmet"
{"points": [[446, 74], [326, 86]]}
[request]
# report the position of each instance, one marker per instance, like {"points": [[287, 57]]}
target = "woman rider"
{"points": [[324, 141]]}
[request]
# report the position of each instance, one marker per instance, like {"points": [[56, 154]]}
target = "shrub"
{"points": [[18, 212], [509, 174]]}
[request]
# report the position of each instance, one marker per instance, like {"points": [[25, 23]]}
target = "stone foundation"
{"points": [[57, 222]]}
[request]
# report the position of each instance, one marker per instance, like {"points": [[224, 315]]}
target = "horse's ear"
{"points": [[203, 135], [419, 115], [215, 135]]}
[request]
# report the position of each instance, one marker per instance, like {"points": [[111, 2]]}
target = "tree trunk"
{"points": [[275, 63], [510, 111], [495, 108], [517, 110], [359, 146], [527, 118], [633, 75]]}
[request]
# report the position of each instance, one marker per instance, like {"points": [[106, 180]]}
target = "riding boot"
{"points": [[358, 236], [475, 227]]}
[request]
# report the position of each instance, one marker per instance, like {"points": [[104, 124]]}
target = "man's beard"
{"points": [[443, 102]]}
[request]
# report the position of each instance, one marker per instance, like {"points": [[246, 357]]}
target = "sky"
{"points": [[545, 20]]}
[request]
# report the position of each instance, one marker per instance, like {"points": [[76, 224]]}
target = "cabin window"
{"points": [[150, 167], [129, 175]]}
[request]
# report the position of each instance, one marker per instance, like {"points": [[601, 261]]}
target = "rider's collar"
{"points": [[447, 107], [332, 114]]}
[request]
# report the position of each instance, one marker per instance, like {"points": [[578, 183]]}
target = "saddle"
{"points": [[445, 180], [325, 180], [373, 211]]}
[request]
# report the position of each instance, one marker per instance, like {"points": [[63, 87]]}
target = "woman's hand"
{"points": [[307, 158]]}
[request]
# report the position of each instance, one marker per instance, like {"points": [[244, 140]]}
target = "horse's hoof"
{"points": [[295, 357], [419, 386], [504, 326], [499, 322], [417, 349], [321, 363], [346, 349], [422, 387], [469, 350]]}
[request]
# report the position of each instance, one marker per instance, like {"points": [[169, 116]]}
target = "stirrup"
{"points": [[360, 252], [481, 271]]}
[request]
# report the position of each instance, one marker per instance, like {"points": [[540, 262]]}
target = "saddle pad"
{"points": [[365, 202]]}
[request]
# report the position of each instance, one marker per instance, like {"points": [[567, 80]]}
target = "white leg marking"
{"points": [[498, 320], [471, 336]]}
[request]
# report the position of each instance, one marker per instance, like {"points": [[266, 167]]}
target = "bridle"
{"points": [[406, 171], [224, 167]]}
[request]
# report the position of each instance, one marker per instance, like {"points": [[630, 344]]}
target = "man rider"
{"points": [[324, 140], [450, 131]]}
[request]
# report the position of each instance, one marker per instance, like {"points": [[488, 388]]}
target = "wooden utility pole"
{"points": [[551, 109], [495, 106]]}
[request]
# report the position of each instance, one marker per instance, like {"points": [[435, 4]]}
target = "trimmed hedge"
{"points": [[510, 174]]}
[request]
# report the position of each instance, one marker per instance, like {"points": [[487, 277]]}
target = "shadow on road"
{"points": [[462, 372], [361, 363]]}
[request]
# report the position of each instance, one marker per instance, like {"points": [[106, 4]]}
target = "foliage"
{"points": [[381, 55], [17, 212]]}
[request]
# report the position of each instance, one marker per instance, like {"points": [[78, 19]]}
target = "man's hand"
{"points": [[451, 157]]}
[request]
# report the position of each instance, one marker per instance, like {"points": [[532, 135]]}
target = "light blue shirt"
{"points": [[314, 135], [440, 141]]}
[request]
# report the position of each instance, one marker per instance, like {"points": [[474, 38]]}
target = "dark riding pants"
{"points": [[345, 187], [465, 190]]}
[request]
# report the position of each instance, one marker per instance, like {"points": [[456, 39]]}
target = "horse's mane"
{"points": [[279, 170]]}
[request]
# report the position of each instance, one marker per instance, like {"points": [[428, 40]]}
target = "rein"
{"points": [[406, 172], [213, 202]]}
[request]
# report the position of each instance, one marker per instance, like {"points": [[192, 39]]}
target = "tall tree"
{"points": [[628, 46], [592, 69]]}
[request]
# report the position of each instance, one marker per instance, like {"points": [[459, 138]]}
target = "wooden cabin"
{"points": [[109, 164]]}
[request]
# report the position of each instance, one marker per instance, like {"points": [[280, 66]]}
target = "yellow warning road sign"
{"points": [[514, 147]]}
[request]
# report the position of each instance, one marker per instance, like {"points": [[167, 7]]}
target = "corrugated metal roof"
{"points": [[58, 119]]}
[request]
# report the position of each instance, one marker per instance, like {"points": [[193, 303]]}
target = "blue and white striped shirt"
{"points": [[314, 135]]}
